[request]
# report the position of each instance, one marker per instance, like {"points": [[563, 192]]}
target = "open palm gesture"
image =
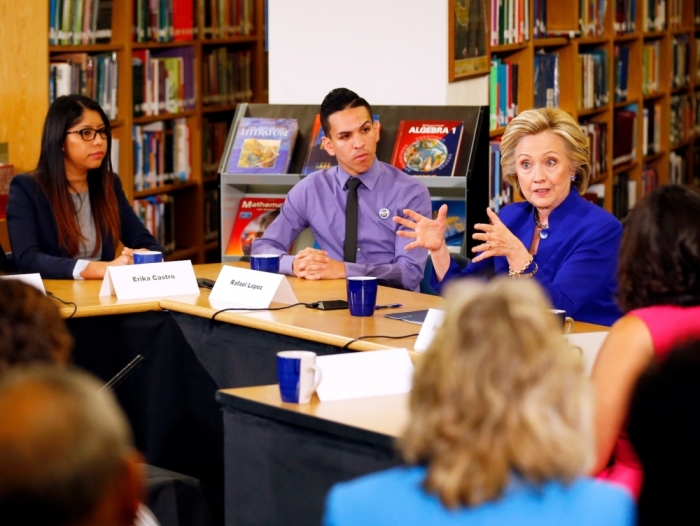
{"points": [[427, 233]]}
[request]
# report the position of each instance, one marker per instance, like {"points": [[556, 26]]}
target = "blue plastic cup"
{"points": [[298, 376], [149, 256], [265, 262], [362, 295]]}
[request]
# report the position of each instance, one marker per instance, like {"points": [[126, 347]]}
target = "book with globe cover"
{"points": [[262, 146], [427, 148]]}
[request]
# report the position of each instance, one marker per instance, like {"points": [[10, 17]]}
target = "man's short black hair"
{"points": [[340, 99]]}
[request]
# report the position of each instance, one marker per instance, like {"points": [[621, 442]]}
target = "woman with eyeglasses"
{"points": [[66, 218]]}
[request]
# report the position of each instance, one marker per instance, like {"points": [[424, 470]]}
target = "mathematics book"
{"points": [[262, 146], [427, 148], [255, 214]]}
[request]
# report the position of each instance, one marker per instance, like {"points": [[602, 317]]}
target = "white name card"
{"points": [[589, 344], [30, 279], [250, 289], [150, 280], [433, 321], [362, 374]]}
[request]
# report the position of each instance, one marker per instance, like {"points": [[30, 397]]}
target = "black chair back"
{"points": [[7, 263]]}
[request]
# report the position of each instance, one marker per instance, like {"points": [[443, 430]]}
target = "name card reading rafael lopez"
{"points": [[150, 280], [251, 289]]}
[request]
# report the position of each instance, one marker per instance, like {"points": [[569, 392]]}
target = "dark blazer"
{"points": [[34, 235], [577, 261]]}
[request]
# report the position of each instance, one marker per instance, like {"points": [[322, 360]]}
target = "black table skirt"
{"points": [[170, 400]]}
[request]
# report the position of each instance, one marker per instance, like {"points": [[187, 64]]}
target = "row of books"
{"points": [[163, 81], [680, 65], [597, 138], [651, 128], [500, 191], [592, 88], [510, 22], [654, 15], [625, 16], [591, 17], [176, 20], [264, 146], [546, 83], [226, 76], [157, 213], [675, 14], [163, 20], [678, 168], [211, 214], [625, 142], [503, 93], [651, 60], [227, 18], [161, 153], [622, 69], [650, 178], [94, 76], [214, 133], [256, 212], [7, 172], [682, 118], [624, 194], [75, 22]]}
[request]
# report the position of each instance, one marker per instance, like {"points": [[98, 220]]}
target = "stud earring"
{"points": [[573, 177]]}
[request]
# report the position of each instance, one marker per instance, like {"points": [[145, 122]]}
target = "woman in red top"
{"points": [[659, 291]]}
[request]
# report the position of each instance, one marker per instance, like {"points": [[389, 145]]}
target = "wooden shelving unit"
{"points": [[24, 106], [565, 16]]}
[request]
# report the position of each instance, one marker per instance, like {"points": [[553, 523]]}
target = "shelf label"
{"points": [[252, 289], [150, 280]]}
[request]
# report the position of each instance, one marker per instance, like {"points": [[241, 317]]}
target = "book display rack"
{"points": [[628, 70], [147, 61], [238, 184]]}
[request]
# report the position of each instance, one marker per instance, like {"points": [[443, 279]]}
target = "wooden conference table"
{"points": [[170, 400]]}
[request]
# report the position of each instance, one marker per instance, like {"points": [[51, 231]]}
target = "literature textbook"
{"points": [[427, 148], [262, 146]]}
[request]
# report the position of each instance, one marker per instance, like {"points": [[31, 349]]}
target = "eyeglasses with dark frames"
{"points": [[88, 134]]}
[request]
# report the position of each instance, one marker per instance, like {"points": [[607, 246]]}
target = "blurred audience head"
{"points": [[66, 455], [660, 250], [664, 426], [499, 392], [31, 328]]}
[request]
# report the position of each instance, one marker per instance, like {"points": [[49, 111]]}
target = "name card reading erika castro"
{"points": [[150, 280], [251, 289]]}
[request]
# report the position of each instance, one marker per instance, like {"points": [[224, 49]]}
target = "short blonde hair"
{"points": [[561, 124], [498, 392]]}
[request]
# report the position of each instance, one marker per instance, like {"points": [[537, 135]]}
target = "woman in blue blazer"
{"points": [[67, 217], [500, 429], [567, 244]]}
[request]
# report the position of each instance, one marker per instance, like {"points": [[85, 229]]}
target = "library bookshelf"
{"points": [[192, 195], [651, 54]]}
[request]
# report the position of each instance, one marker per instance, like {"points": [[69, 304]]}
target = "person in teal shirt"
{"points": [[500, 428]]}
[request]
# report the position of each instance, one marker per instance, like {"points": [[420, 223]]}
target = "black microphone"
{"points": [[124, 373]]}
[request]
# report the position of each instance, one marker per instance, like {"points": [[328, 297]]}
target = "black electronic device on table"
{"points": [[206, 283], [416, 316], [329, 305]]}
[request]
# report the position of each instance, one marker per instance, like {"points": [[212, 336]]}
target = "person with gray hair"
{"points": [[66, 453]]}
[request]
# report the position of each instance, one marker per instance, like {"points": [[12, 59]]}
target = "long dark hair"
{"points": [[50, 172], [660, 250]]}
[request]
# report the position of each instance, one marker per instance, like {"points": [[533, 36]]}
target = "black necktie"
{"points": [[350, 247]]}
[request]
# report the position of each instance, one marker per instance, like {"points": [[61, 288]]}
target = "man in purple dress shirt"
{"points": [[318, 202]]}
